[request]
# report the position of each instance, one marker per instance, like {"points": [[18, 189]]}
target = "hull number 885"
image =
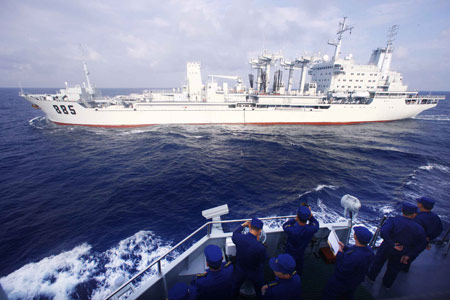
{"points": [[63, 110]]}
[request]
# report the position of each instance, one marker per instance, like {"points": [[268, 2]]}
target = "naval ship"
{"points": [[339, 92]]}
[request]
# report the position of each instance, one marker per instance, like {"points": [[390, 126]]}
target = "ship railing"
{"points": [[208, 225]]}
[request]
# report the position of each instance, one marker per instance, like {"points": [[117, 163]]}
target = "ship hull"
{"points": [[196, 113]]}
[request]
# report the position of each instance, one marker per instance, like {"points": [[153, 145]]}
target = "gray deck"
{"points": [[428, 278]]}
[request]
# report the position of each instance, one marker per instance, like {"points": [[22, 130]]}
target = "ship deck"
{"points": [[428, 278]]}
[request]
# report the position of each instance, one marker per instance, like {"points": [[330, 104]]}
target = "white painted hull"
{"points": [[379, 110]]}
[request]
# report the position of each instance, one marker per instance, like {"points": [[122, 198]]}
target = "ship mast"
{"points": [[386, 63], [86, 72], [342, 29]]}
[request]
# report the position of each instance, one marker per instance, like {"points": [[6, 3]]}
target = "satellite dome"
{"points": [[325, 57]]}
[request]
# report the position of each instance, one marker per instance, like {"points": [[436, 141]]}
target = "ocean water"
{"points": [[81, 206]]}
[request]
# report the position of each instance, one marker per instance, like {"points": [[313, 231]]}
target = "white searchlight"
{"points": [[214, 214], [351, 204]]}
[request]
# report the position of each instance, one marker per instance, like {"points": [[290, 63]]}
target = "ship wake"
{"points": [[84, 273]]}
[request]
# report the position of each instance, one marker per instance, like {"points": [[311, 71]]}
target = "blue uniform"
{"points": [[298, 237], [286, 289], [250, 257], [405, 232], [431, 223], [351, 268], [214, 284]]}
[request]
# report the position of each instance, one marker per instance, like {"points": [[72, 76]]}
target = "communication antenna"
{"points": [[86, 71], [21, 90], [392, 33], [342, 28]]}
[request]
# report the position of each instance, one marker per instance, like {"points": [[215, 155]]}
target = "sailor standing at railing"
{"points": [[403, 239], [216, 282], [352, 264], [287, 284], [430, 222], [299, 232], [250, 257]]}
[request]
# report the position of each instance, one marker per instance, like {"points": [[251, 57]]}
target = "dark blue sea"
{"points": [[80, 206]]}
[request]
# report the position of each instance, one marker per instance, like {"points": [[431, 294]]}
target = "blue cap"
{"points": [[303, 212], [179, 291], [363, 234], [409, 208], [213, 256], [284, 263], [427, 203], [257, 223]]}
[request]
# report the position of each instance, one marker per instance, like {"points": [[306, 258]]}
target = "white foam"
{"points": [[432, 166], [318, 188], [386, 209], [53, 277], [433, 117], [322, 186], [57, 276]]}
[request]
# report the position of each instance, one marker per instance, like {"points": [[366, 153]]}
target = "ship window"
{"points": [[357, 74], [355, 87], [359, 87], [352, 73], [362, 74], [349, 86], [350, 80], [344, 79]]}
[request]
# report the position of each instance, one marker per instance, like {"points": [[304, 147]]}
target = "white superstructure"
{"points": [[339, 92]]}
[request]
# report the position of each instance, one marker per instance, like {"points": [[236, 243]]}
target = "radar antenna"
{"points": [[86, 72], [392, 33], [342, 28]]}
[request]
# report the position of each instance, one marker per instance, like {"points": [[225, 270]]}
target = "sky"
{"points": [[147, 43]]}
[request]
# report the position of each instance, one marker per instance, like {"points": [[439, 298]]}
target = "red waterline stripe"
{"points": [[255, 123]]}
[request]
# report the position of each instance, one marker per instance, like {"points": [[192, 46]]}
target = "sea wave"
{"points": [[318, 189], [432, 166], [433, 117], [58, 276]]}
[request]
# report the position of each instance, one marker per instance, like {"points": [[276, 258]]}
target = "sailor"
{"points": [[403, 239], [216, 282], [430, 222], [287, 284], [299, 232], [352, 264], [180, 291], [250, 257]]}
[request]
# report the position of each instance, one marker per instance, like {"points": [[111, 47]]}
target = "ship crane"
{"points": [[235, 78], [262, 65], [302, 62], [291, 66]]}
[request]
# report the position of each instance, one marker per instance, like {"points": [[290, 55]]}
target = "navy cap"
{"points": [[427, 203], [284, 263], [213, 256], [303, 212], [257, 223], [179, 291], [409, 208], [363, 234]]}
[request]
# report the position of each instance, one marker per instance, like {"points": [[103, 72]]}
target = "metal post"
{"points": [[159, 267], [377, 232], [208, 228], [350, 226]]}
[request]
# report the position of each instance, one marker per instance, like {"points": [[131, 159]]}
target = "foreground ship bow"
{"points": [[340, 92]]}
